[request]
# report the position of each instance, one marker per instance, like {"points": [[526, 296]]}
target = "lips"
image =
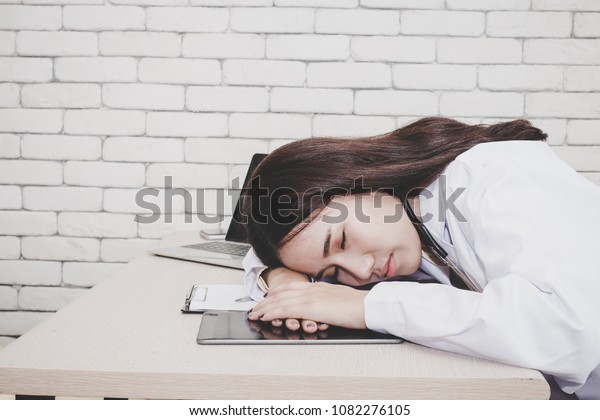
{"points": [[389, 267]]}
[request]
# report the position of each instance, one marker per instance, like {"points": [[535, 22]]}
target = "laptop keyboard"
{"points": [[222, 247]]}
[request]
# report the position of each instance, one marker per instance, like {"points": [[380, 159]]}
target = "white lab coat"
{"points": [[530, 240]]}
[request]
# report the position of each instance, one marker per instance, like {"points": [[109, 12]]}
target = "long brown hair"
{"points": [[297, 180]]}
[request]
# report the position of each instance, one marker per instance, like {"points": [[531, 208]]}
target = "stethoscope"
{"points": [[440, 253]]}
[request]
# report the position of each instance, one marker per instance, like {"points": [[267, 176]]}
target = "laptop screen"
{"points": [[237, 231]]}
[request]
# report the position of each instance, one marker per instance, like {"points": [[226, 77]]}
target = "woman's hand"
{"points": [[282, 276], [329, 303]]}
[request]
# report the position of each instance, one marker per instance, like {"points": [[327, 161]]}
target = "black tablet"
{"points": [[234, 327]]}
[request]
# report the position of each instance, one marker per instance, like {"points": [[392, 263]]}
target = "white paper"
{"points": [[222, 297]]}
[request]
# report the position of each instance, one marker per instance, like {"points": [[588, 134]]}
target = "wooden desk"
{"points": [[127, 338]]}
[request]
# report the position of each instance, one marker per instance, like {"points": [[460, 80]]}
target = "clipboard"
{"points": [[217, 297]]}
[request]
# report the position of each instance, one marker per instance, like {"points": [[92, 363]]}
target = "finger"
{"points": [[309, 326], [277, 323], [322, 326], [292, 324]]}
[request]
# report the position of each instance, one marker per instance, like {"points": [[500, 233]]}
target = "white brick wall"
{"points": [[101, 98]]}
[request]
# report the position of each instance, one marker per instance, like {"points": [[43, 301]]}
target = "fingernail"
{"points": [[311, 325]]}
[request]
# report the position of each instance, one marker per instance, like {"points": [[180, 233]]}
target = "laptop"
{"points": [[227, 253]]}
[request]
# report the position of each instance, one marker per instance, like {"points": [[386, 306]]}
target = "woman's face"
{"points": [[357, 239]]}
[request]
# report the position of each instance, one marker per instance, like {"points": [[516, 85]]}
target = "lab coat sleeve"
{"points": [[253, 267], [540, 306]]}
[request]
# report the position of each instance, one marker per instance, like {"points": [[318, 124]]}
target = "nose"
{"points": [[360, 266]]}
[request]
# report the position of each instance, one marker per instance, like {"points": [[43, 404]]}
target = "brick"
{"points": [[395, 103], [587, 25], [105, 122], [327, 101], [351, 125], [44, 18], [62, 198], [434, 77], [349, 75], [180, 222], [105, 174], [7, 43], [227, 99], [318, 3], [488, 4], [103, 18], [520, 77], [8, 298], [47, 298], [87, 2], [563, 105], [152, 2], [10, 197], [9, 146], [529, 24], [25, 70], [479, 50], [180, 71], [271, 126], [124, 250], [98, 69], [33, 273], [583, 132], [60, 248], [30, 172], [583, 5], [149, 198], [134, 96], [187, 175], [143, 149], [57, 44], [272, 20], [18, 323], [61, 95], [226, 3], [580, 158], [556, 130], [122, 201], [84, 274], [403, 4], [97, 225], [308, 47], [430, 22], [27, 223], [264, 72], [59, 147], [357, 22], [582, 78], [224, 45], [481, 104], [562, 51], [10, 248], [276, 144], [394, 49], [9, 95], [137, 44], [187, 19], [19, 120], [207, 150], [186, 124]]}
